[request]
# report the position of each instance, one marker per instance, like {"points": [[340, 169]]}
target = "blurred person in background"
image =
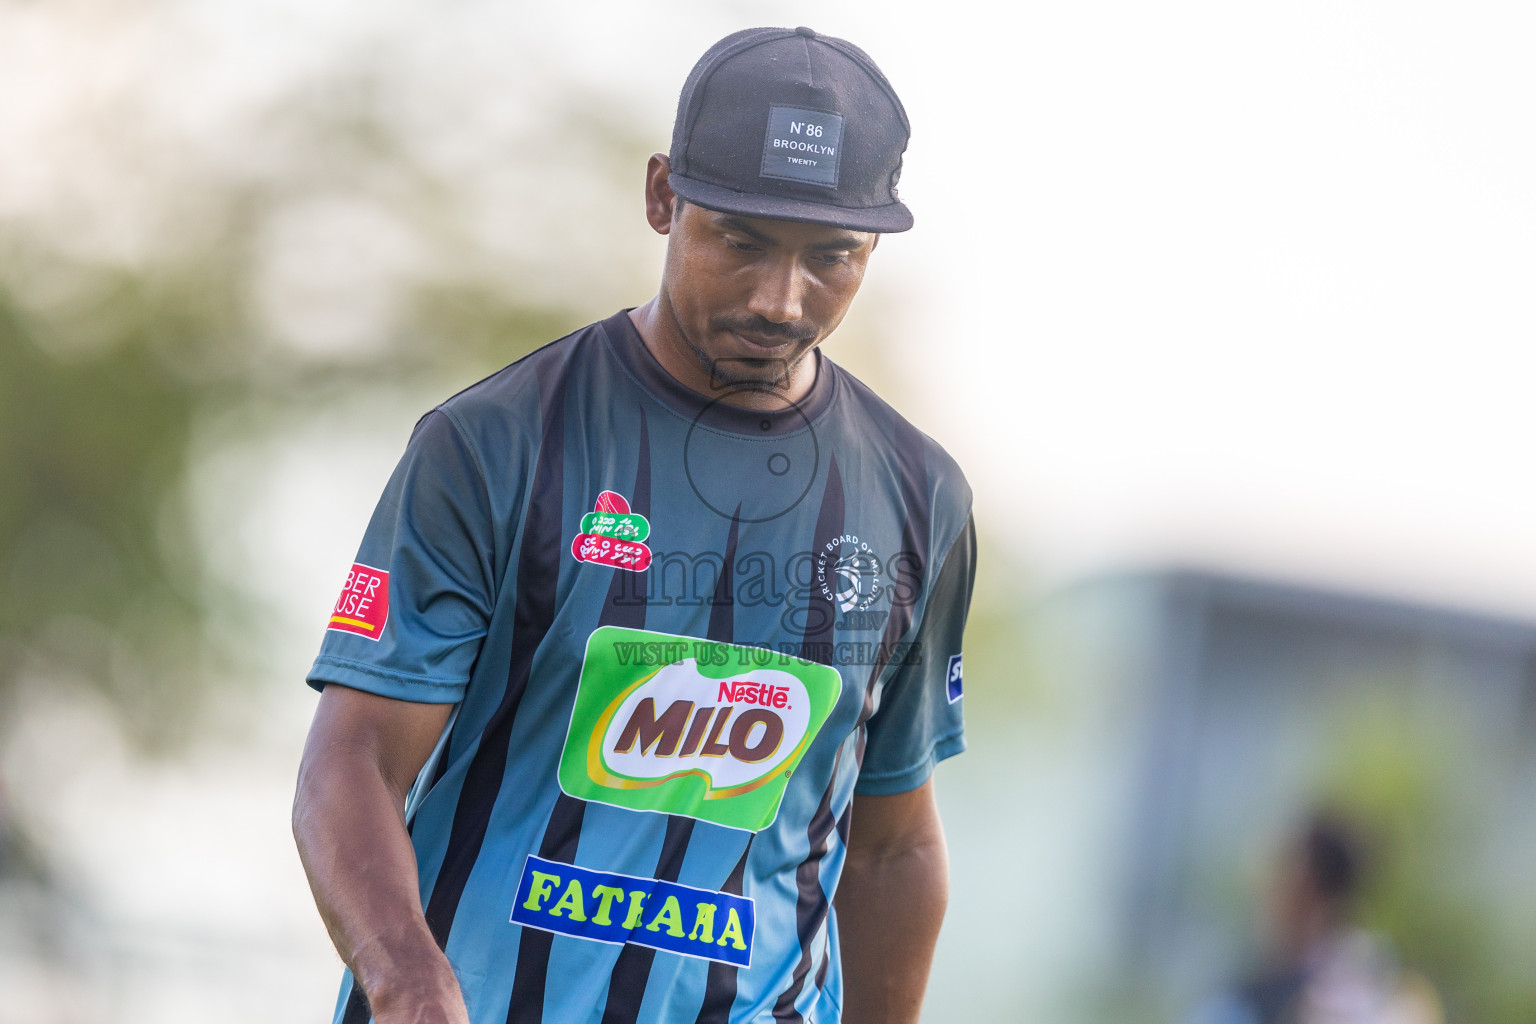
{"points": [[1320, 966]]}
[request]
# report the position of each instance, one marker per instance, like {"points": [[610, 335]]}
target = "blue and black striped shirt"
{"points": [[680, 635]]}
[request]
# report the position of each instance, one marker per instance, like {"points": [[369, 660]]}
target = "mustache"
{"points": [[760, 327]]}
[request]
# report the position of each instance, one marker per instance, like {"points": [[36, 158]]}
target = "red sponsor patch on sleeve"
{"points": [[363, 606]]}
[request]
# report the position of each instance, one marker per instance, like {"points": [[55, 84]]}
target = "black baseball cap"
{"points": [[791, 125]]}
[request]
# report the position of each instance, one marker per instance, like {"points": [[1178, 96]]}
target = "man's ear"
{"points": [[659, 197]]}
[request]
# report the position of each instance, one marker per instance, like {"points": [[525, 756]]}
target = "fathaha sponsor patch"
{"points": [[363, 606], [679, 725], [802, 145], [606, 907]]}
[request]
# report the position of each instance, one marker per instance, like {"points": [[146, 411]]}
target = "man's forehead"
{"points": [[789, 232]]}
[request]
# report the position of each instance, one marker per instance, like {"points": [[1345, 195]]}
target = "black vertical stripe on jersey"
{"points": [[562, 833], [720, 982], [531, 973], [632, 970], [538, 570], [844, 822], [811, 899], [811, 906], [442, 762], [438, 772], [819, 613], [357, 1011], [722, 605], [912, 476]]}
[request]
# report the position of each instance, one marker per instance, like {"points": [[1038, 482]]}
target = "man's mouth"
{"points": [[766, 346], [761, 346]]}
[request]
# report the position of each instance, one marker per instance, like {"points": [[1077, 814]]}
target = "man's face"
{"points": [[749, 298]]}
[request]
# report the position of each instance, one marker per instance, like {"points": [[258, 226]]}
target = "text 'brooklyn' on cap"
{"points": [[791, 125]]}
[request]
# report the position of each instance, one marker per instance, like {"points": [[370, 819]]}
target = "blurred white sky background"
{"points": [[1244, 285], [1236, 284]]}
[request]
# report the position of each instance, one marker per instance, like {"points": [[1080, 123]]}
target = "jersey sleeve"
{"points": [[919, 722], [416, 604]]}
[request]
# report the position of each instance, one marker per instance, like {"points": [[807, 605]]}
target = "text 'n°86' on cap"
{"points": [[791, 125]]}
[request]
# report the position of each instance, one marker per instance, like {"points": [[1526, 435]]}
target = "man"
{"points": [[1321, 966], [660, 626]]}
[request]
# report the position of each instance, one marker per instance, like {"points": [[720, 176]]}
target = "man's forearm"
{"points": [[349, 825], [890, 904]]}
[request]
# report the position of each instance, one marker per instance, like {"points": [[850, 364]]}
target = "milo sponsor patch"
{"points": [[685, 726]]}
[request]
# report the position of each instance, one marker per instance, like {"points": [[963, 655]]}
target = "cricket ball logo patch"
{"points": [[363, 606], [686, 726], [612, 535]]}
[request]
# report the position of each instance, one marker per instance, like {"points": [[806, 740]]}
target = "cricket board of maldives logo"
{"points": [[686, 726], [848, 573]]}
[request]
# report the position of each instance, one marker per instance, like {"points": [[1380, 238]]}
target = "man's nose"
{"points": [[780, 292]]}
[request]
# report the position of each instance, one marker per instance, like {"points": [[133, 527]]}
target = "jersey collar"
{"points": [[629, 348]]}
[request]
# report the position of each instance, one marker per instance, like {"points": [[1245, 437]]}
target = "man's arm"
{"points": [[890, 903], [362, 755]]}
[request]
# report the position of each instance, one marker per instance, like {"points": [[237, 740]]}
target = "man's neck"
{"points": [[664, 340]]}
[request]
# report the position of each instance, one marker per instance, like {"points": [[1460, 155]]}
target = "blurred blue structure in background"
{"points": [[1246, 702]]}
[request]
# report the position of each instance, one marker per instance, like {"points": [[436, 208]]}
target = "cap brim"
{"points": [[884, 219]]}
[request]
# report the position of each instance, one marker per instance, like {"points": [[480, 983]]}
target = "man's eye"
{"points": [[832, 259], [741, 246]]}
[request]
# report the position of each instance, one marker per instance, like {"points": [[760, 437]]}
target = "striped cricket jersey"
{"points": [[679, 636]]}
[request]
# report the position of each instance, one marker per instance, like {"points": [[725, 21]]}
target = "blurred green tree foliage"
{"points": [[97, 583], [108, 366]]}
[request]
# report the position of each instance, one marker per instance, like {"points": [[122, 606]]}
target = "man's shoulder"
{"points": [[883, 425], [525, 386]]}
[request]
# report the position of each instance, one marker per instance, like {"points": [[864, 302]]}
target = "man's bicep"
{"points": [[353, 726], [891, 822]]}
